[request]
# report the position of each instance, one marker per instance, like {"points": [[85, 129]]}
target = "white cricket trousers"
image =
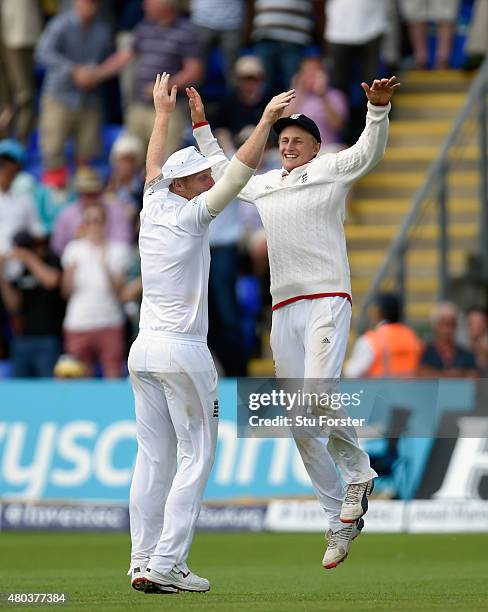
{"points": [[175, 390], [309, 341]]}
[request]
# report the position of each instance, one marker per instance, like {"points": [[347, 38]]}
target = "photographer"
{"points": [[33, 300]]}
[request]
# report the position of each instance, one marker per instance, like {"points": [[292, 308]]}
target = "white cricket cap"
{"points": [[186, 162]]}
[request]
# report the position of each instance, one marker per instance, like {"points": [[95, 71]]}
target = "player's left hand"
{"points": [[381, 91], [197, 108], [277, 105]]}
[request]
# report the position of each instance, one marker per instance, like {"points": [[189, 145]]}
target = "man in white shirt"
{"points": [[354, 33], [171, 370], [302, 207], [219, 24]]}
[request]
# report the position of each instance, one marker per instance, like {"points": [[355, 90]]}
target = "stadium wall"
{"points": [[67, 451]]}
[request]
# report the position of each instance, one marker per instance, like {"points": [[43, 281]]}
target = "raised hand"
{"points": [[197, 109], [277, 105], [381, 91], [164, 100]]}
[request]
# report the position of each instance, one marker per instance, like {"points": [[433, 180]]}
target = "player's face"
{"points": [[196, 184], [297, 147]]}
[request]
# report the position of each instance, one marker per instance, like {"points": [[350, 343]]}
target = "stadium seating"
{"points": [[423, 113]]}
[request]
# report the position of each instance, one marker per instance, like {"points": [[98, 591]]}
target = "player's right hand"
{"points": [[164, 100], [277, 105], [197, 108]]}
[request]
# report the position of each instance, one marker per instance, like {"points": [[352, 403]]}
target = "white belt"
{"points": [[172, 336]]}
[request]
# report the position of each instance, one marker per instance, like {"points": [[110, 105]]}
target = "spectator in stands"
{"points": [[418, 14], [164, 41], [89, 187], [20, 29], [131, 295], [224, 334], [254, 240], [316, 99], [126, 180], [391, 349], [52, 196], [477, 324], [243, 107], [443, 357], [94, 273], [281, 33], [70, 47], [354, 35], [34, 302], [17, 210], [477, 37], [219, 24]]}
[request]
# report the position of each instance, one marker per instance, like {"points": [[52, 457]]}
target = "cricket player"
{"points": [[171, 370], [302, 207]]}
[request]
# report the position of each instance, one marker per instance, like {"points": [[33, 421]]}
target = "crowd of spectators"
{"points": [[392, 349], [71, 184]]}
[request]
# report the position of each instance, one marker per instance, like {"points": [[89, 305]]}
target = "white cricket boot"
{"points": [[137, 579], [339, 543], [355, 504], [177, 579]]}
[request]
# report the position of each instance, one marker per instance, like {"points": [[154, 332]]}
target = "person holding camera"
{"points": [[32, 299]]}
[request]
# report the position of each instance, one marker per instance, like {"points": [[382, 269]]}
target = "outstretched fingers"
{"points": [[286, 95], [366, 88], [391, 83], [282, 100]]}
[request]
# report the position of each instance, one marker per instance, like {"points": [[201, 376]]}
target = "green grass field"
{"points": [[258, 572]]}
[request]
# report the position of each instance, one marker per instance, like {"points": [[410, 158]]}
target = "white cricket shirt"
{"points": [[175, 263], [303, 213]]}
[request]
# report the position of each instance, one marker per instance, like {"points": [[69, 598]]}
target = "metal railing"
{"points": [[434, 192]]}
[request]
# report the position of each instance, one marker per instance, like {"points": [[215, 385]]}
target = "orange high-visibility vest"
{"points": [[396, 349]]}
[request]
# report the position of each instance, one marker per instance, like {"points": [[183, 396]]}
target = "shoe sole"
{"points": [[138, 584], [155, 587], [360, 526], [364, 506], [336, 563]]}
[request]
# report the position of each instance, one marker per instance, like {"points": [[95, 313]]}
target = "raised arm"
{"points": [[248, 156], [251, 152], [164, 104], [206, 141], [358, 160]]}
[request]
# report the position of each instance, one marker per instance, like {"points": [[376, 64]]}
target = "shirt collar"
{"points": [[298, 169], [176, 198]]}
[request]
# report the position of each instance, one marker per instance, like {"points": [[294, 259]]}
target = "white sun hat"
{"points": [[186, 162]]}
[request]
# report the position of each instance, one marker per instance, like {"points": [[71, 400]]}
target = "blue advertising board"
{"points": [[75, 441]]}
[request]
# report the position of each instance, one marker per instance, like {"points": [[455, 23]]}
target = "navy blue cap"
{"points": [[302, 121]]}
